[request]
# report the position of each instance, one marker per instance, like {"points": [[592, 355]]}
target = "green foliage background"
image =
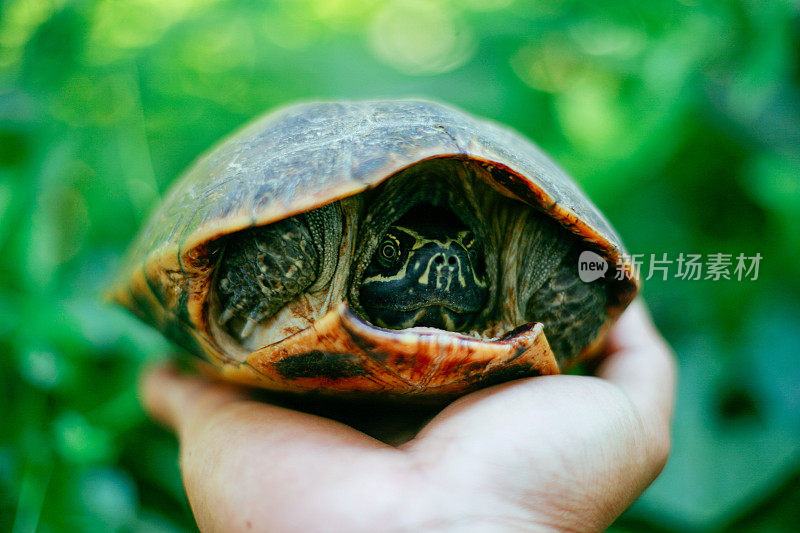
{"points": [[681, 119]]}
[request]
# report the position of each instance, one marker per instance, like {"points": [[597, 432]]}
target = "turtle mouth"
{"points": [[422, 362], [431, 316], [434, 303]]}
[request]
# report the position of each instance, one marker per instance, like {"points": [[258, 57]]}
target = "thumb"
{"points": [[178, 400]]}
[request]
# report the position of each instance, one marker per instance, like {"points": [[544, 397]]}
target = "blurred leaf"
{"points": [[79, 442], [725, 455], [42, 368], [109, 497]]}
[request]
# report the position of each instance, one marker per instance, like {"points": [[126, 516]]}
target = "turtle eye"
{"points": [[388, 252]]}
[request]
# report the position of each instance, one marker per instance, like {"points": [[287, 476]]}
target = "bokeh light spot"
{"points": [[18, 22], [42, 369], [122, 25], [550, 66], [486, 5], [420, 38], [608, 40], [590, 116]]}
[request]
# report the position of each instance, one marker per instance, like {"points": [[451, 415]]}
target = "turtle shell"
{"points": [[304, 156]]}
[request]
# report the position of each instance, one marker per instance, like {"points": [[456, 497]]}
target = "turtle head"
{"points": [[428, 270]]}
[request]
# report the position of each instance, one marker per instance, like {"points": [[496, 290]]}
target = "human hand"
{"points": [[546, 453]]}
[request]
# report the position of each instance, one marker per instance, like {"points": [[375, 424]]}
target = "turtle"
{"points": [[384, 248]]}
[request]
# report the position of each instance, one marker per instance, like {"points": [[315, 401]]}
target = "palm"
{"points": [[556, 451]]}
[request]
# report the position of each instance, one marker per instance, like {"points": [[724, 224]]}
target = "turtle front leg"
{"points": [[264, 268], [571, 310]]}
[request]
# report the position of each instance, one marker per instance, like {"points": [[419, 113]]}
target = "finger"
{"points": [[634, 329], [197, 407], [247, 462], [641, 363], [611, 430], [176, 399], [549, 443]]}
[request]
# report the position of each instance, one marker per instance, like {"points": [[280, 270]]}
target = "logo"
{"points": [[591, 266]]}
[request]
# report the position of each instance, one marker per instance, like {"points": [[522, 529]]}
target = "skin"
{"points": [[552, 453]]}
